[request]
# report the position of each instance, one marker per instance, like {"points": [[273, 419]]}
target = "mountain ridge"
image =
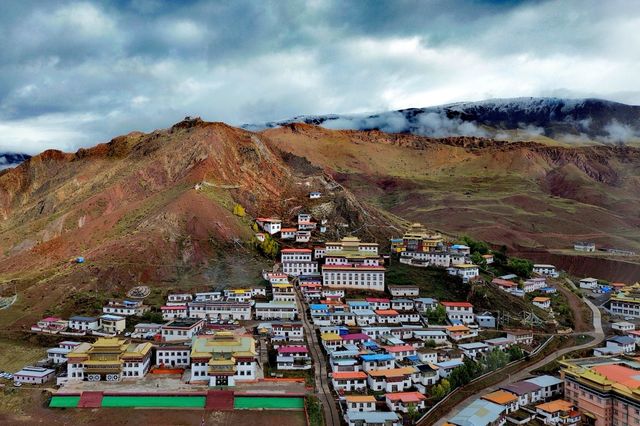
{"points": [[586, 120]]}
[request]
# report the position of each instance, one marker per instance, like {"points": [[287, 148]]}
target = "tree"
{"points": [[412, 413], [238, 210], [437, 315], [515, 353], [477, 259], [430, 344], [441, 390], [495, 359], [520, 267], [476, 246]]}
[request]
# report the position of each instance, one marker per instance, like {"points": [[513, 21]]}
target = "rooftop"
{"points": [[500, 397]]}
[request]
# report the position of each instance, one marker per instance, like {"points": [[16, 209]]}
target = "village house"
{"points": [[51, 325], [424, 304], [387, 316], [588, 283], [220, 310], [403, 290], [297, 262], [355, 338], [34, 375], [401, 401], [391, 380], [623, 326], [401, 351], [270, 225], [505, 285], [330, 341], [473, 350], [208, 296], [288, 233], [462, 311], [460, 332], [501, 343], [550, 387], [446, 367], [293, 358], [534, 284], [360, 402], [173, 355], [584, 246], [58, 355], [542, 302], [332, 293], [488, 258], [466, 271], [438, 336], [287, 332], [181, 330], [479, 412], [402, 304], [81, 323], [545, 270], [145, 330], [349, 381], [179, 299], [379, 361], [276, 311], [376, 303], [504, 398], [222, 359], [174, 312], [442, 259], [314, 195], [521, 337], [125, 308], [527, 392], [112, 324], [486, 320], [303, 236], [558, 412], [365, 317], [305, 223], [373, 418], [109, 359], [625, 343]]}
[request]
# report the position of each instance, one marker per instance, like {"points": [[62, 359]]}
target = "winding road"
{"points": [[331, 415], [598, 337]]}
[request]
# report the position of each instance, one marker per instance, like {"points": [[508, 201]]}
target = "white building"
{"points": [[181, 330], [404, 290], [216, 311], [173, 355], [81, 323], [276, 310], [174, 312], [349, 381], [588, 283], [112, 324], [298, 262], [466, 271], [545, 270], [126, 308], [462, 311], [303, 236], [270, 225], [223, 359], [179, 299], [542, 302], [34, 375], [584, 246], [293, 358], [288, 233], [401, 401], [623, 326]]}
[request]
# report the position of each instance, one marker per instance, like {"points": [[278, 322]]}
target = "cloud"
{"points": [[74, 73]]}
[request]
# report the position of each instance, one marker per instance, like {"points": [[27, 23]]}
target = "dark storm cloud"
{"points": [[73, 73]]}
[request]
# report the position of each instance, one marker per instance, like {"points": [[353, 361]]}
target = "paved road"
{"points": [[331, 415], [598, 337]]}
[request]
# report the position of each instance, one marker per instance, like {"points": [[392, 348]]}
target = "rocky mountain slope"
{"points": [[563, 120], [525, 195], [155, 209]]}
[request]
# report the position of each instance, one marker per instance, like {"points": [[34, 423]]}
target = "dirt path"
{"points": [[596, 332], [331, 415], [582, 319]]}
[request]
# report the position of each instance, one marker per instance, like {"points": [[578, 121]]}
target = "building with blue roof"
{"points": [[319, 307], [550, 386], [479, 413]]}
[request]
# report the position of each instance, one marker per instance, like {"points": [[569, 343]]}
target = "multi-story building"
{"points": [[627, 302], [174, 312], [112, 324], [173, 355], [81, 323], [417, 239], [349, 381], [285, 332], [466, 271], [125, 308], [179, 299], [462, 311], [110, 359], [181, 330], [220, 310], [404, 290], [298, 262], [545, 270], [391, 380], [223, 358], [276, 310], [269, 224], [293, 358]]}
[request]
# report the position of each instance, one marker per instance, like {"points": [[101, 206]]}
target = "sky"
{"points": [[76, 73]]}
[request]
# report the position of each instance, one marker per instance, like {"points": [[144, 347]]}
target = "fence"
{"points": [[427, 418]]}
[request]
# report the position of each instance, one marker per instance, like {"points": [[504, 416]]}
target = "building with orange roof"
{"points": [[392, 379], [401, 401], [387, 316], [360, 402], [559, 412], [505, 398], [269, 224], [349, 381], [541, 302], [460, 332]]}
